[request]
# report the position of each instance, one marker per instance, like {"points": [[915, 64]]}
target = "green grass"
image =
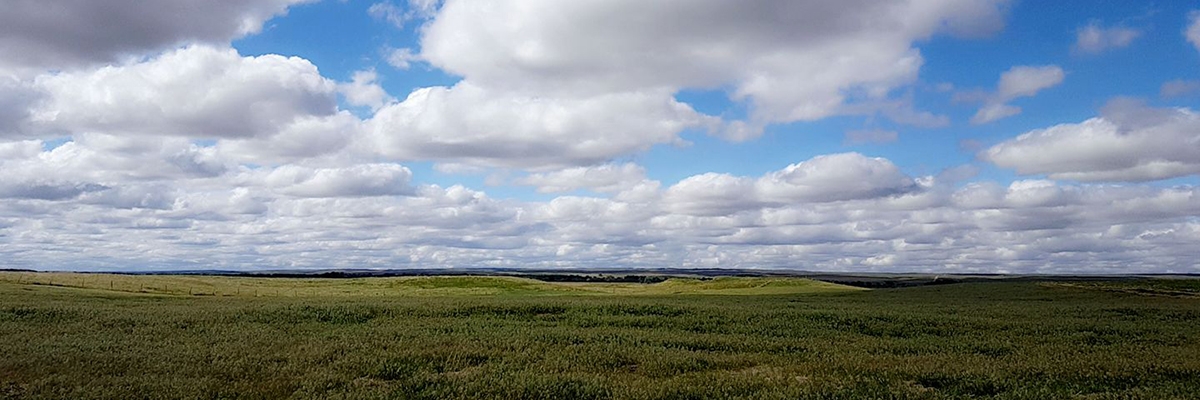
{"points": [[469, 337], [409, 286], [1160, 287]]}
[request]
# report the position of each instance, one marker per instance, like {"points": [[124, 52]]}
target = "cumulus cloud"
{"points": [[712, 194], [834, 177], [353, 181], [17, 100], [1095, 39], [563, 83], [1128, 142], [337, 135], [111, 160], [363, 90], [198, 91], [45, 190], [1017, 82], [837, 212], [199, 157], [791, 60], [472, 125], [827, 178], [37, 35], [607, 178]]}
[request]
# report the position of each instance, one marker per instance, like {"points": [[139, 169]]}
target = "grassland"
{"points": [[100, 336], [219, 286]]}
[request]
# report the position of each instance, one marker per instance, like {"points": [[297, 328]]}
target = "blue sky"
{"points": [[956, 136], [343, 37]]}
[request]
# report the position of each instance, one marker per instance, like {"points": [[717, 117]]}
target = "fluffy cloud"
{"points": [[198, 91], [37, 35], [834, 177], [838, 212], [1017, 82], [113, 160], [1127, 142], [363, 90], [358, 180], [791, 60], [712, 194], [340, 135], [828, 178], [607, 178], [200, 157], [1095, 39], [561, 82], [472, 125], [17, 99]]}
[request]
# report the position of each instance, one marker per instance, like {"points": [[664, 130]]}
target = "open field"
{"points": [[220, 286], [106, 336]]}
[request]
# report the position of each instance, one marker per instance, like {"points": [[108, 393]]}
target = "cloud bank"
{"points": [[149, 142]]}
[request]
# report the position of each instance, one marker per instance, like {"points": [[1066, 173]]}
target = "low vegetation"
{"points": [[220, 286], [104, 336]]}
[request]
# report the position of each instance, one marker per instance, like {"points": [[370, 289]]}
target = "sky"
{"points": [[941, 136]]}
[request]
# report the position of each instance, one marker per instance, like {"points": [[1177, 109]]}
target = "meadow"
{"points": [[86, 336]]}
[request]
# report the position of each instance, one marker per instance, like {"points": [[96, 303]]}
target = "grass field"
{"points": [[218, 286], [104, 336]]}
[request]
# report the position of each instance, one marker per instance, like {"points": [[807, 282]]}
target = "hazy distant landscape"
{"points": [[121, 336]]}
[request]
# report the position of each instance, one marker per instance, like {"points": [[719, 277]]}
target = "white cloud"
{"points": [[112, 160], [711, 194], [198, 91], [202, 158], [424, 8], [363, 90], [994, 112], [307, 137], [358, 180], [467, 124], [874, 136], [1128, 142], [1017, 82], [834, 177], [1192, 33], [1178, 88], [607, 178], [34, 34], [402, 58], [792, 60], [20, 150], [1026, 81], [836, 212], [828, 178], [1095, 39], [45, 189], [17, 99], [399, 16], [389, 12]]}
